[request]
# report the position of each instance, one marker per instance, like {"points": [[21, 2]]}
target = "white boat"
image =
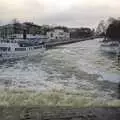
{"points": [[110, 47], [16, 42], [14, 49]]}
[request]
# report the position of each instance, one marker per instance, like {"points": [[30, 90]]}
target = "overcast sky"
{"points": [[73, 13]]}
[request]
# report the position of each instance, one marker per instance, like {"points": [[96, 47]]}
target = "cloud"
{"points": [[62, 12], [22, 9], [80, 16]]}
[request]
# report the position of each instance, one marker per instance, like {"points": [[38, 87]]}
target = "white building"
{"points": [[58, 34]]}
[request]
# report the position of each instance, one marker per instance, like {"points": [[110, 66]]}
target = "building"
{"points": [[19, 28], [58, 34], [21, 31], [9, 30]]}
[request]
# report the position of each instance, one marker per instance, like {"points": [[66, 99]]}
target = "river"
{"points": [[79, 68]]}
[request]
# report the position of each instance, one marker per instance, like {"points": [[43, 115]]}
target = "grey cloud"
{"points": [[29, 9], [77, 16]]}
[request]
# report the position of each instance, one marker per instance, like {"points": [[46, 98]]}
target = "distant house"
{"points": [[58, 34]]}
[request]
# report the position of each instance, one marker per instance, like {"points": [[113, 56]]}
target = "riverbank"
{"points": [[57, 105], [22, 97], [61, 113], [53, 44], [83, 77]]}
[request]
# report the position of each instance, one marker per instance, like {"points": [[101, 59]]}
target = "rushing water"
{"points": [[79, 67]]}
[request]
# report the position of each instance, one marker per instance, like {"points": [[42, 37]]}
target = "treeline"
{"points": [[109, 29], [82, 33], [113, 30], [31, 28]]}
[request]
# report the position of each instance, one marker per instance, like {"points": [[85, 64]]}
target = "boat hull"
{"points": [[20, 54], [108, 49]]}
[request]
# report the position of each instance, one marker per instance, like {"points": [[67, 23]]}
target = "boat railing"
{"points": [[8, 41]]}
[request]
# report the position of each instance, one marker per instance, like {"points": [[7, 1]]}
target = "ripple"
{"points": [[78, 67]]}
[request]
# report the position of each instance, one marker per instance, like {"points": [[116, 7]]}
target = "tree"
{"points": [[101, 29], [113, 30], [82, 33], [62, 28]]}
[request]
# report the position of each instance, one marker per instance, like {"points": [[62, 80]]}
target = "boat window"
{"points": [[20, 49], [38, 47], [4, 49], [42, 43], [30, 48], [2, 41], [7, 41]]}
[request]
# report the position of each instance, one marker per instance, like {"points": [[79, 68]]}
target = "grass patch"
{"points": [[52, 98]]}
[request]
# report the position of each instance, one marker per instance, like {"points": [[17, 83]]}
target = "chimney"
{"points": [[24, 34]]}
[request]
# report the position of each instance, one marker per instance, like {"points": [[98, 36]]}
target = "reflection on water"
{"points": [[79, 67]]}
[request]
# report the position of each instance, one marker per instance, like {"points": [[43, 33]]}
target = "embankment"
{"points": [[54, 44]]}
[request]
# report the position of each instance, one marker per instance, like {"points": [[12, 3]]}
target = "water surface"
{"points": [[79, 68]]}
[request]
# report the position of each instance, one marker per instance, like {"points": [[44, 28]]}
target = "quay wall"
{"points": [[54, 44]]}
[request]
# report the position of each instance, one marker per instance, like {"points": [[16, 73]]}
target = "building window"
{"points": [[20, 49], [38, 47]]}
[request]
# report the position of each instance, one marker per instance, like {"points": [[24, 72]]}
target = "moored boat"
{"points": [[110, 46], [19, 40], [13, 49]]}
